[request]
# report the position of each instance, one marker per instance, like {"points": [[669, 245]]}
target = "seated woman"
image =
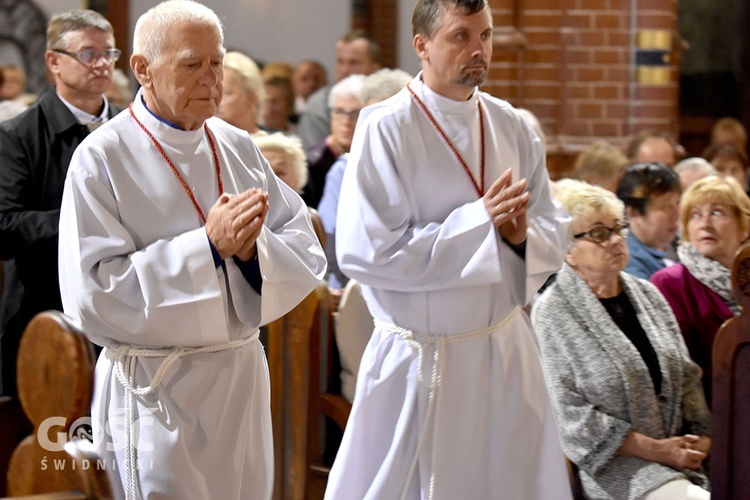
{"points": [[714, 223], [627, 397], [243, 94], [287, 158]]}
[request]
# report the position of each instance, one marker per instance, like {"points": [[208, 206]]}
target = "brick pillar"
{"points": [[573, 64]]}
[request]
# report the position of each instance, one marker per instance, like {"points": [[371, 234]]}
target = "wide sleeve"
{"points": [[384, 240], [546, 236], [590, 437], [292, 261], [135, 282]]}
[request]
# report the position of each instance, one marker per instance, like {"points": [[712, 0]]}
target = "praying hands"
{"points": [[235, 222], [506, 202]]}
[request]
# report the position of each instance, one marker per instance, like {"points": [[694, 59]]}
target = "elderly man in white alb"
{"points": [[177, 242], [450, 229]]}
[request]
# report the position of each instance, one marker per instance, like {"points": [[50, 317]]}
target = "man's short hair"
{"points": [[725, 151], [373, 48], [695, 164], [642, 181], [155, 26], [427, 13], [599, 160], [74, 20], [640, 137]]}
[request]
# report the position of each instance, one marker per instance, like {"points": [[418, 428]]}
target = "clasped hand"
{"points": [[684, 452], [235, 221], [506, 202]]}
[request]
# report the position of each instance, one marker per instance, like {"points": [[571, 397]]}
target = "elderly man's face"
{"points": [[185, 87]]}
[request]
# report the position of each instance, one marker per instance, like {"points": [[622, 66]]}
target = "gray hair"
{"points": [[383, 84], [427, 15], [581, 199], [695, 164], [153, 27], [351, 85], [74, 20], [290, 145]]}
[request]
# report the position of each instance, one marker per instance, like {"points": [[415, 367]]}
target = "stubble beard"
{"points": [[470, 78]]}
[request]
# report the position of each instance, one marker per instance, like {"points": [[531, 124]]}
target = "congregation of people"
{"points": [[170, 210]]}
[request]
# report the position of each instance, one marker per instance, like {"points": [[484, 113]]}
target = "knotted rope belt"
{"points": [[418, 342], [125, 361]]}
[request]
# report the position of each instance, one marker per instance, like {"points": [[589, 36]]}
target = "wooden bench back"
{"points": [[55, 384], [730, 452]]}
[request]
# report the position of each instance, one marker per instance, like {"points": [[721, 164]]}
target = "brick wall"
{"points": [[380, 19], [572, 63]]}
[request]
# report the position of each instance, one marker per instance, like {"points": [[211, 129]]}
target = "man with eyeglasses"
{"points": [[36, 148]]}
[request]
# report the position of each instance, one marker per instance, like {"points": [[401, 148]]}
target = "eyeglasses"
{"points": [[341, 113], [602, 234], [90, 56]]}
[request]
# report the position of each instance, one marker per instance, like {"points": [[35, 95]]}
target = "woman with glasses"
{"points": [[344, 102], [714, 223], [628, 399]]}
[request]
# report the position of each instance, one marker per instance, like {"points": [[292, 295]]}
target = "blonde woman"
{"points": [[287, 158], [628, 399], [243, 93], [714, 223]]}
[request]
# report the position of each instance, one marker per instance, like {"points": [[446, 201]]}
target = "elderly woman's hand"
{"points": [[680, 452]]}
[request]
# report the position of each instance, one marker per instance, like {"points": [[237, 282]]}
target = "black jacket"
{"points": [[35, 151]]}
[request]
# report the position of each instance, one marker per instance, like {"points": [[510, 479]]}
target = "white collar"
{"points": [[85, 118]]}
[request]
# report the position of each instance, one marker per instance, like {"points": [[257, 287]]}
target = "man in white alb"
{"points": [[449, 226], [177, 242]]}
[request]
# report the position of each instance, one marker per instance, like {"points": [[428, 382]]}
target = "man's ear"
{"points": [[140, 67], [420, 46], [51, 58]]}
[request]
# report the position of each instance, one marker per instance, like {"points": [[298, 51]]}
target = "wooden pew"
{"points": [[303, 367], [55, 380], [730, 453], [328, 411], [298, 347]]}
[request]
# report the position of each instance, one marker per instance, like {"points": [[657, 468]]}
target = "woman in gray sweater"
{"points": [[628, 399]]}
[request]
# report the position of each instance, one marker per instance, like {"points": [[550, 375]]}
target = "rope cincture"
{"points": [[419, 342], [126, 359]]}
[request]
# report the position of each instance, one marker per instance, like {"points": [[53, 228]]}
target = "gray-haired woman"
{"points": [[628, 399]]}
